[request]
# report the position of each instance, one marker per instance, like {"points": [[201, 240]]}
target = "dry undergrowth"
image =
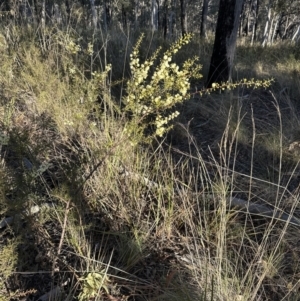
{"points": [[118, 221]]}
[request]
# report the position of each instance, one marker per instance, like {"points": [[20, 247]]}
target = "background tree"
{"points": [[154, 15], [225, 41], [204, 19], [254, 26], [183, 17], [262, 21]]}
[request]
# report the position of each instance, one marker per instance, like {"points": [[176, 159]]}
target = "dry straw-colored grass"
{"points": [[144, 222]]}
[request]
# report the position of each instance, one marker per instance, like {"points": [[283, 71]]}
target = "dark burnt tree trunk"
{"points": [[225, 41], [124, 17], [159, 19], [107, 14], [165, 20], [183, 19], [204, 19], [5, 5], [68, 11]]}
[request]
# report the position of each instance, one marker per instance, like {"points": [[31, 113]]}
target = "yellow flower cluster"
{"points": [[254, 83], [161, 123], [155, 91], [90, 49], [72, 47], [100, 76]]}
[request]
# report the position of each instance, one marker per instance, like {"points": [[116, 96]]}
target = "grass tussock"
{"points": [[92, 210]]}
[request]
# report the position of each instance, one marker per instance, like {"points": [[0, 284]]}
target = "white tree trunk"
{"points": [[266, 31], [43, 15], [136, 13], [296, 35], [56, 13], [275, 29], [94, 13], [154, 16]]}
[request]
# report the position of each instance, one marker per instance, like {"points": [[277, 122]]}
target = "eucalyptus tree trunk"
{"points": [[204, 14], [183, 18], [43, 14], [270, 30], [267, 25], [165, 19], [288, 24], [104, 16], [94, 13], [154, 15], [5, 6], [55, 13], [296, 34], [124, 17], [242, 20], [172, 19], [254, 33], [248, 14], [136, 11], [225, 41], [171, 24], [159, 14], [68, 11], [274, 30], [23, 10]]}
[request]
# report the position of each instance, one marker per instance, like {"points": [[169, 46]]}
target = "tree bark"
{"points": [[94, 13], [248, 14], [225, 41], [203, 33], [43, 14], [136, 11], [172, 19], [183, 18], [296, 34], [266, 31], [5, 6], [68, 11], [165, 20], [254, 34], [107, 16], [124, 17], [275, 29], [242, 20], [104, 16], [154, 15]]}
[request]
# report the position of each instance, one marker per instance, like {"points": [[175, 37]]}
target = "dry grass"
{"points": [[124, 222]]}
